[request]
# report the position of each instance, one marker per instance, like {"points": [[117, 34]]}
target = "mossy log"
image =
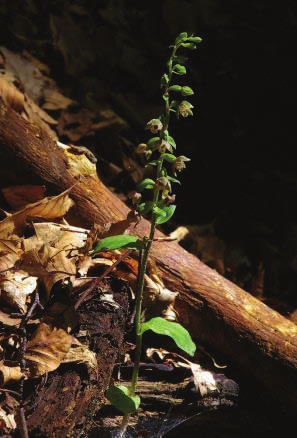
{"points": [[215, 311]]}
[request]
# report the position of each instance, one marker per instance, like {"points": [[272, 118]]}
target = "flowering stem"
{"points": [[143, 259]]}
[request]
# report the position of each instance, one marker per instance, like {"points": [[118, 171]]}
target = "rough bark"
{"points": [[214, 310]]}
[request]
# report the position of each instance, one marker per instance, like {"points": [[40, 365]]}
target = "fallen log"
{"points": [[215, 311]]}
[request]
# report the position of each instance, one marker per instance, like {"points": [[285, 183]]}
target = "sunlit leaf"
{"points": [[165, 214], [119, 397], [177, 332], [118, 242]]}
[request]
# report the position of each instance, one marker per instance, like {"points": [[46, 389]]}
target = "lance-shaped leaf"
{"points": [[176, 331], [164, 214], [170, 158], [171, 141], [119, 397], [146, 183], [152, 142], [117, 242]]}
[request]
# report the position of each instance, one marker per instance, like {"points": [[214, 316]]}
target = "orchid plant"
{"points": [[159, 154]]}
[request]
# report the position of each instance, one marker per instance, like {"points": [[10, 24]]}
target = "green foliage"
{"points": [[146, 183], [176, 331], [117, 242], [160, 209], [119, 397], [164, 214]]}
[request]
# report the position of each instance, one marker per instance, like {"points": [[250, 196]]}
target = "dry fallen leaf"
{"points": [[7, 420], [48, 208], [47, 349], [16, 287], [10, 252]]}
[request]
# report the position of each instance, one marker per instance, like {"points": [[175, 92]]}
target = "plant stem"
{"points": [[143, 259]]}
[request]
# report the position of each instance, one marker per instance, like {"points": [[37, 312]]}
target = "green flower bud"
{"points": [[194, 39], [175, 88], [186, 91], [182, 37], [190, 46], [179, 69]]}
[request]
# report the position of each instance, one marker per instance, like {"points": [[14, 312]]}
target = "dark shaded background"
{"points": [[242, 137]]}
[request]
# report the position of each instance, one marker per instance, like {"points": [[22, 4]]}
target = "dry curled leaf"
{"points": [[10, 252], [48, 208], [16, 287]]}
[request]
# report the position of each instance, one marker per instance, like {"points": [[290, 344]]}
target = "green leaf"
{"points": [[117, 242], [168, 157], [181, 37], [152, 163], [186, 91], [179, 69], [173, 179], [167, 213], [145, 207], [152, 141], [171, 141], [119, 397], [175, 88], [146, 183], [159, 214], [176, 331]]}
